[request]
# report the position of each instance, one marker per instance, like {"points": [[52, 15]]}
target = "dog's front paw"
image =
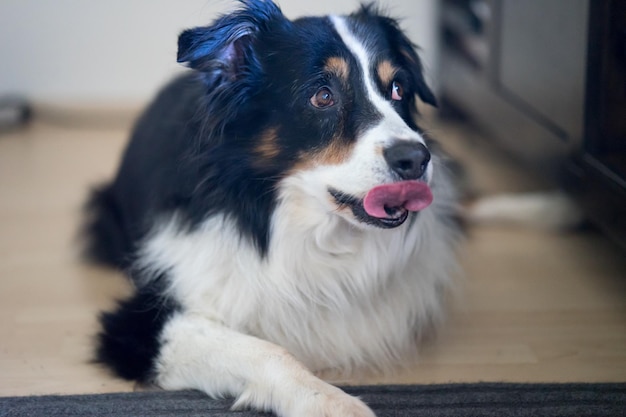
{"points": [[332, 403], [346, 406]]}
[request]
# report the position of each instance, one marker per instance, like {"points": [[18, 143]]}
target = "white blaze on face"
{"points": [[391, 118]]}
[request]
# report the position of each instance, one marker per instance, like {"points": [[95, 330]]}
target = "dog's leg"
{"points": [[200, 353]]}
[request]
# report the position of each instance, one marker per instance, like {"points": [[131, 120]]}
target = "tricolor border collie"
{"points": [[281, 215]]}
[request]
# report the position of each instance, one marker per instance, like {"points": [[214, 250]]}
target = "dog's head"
{"points": [[326, 105]]}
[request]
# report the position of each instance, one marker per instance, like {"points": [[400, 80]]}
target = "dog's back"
{"points": [[150, 176]]}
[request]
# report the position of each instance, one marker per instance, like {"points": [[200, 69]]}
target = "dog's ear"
{"points": [[224, 50]]}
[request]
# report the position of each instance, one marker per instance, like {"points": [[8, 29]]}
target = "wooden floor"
{"points": [[535, 305]]}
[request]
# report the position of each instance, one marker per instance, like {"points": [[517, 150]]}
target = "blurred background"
{"points": [[547, 80], [120, 50], [532, 99]]}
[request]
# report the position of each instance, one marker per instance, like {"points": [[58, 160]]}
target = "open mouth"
{"points": [[387, 206]]}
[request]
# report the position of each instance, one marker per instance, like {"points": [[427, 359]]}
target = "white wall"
{"points": [[122, 50]]}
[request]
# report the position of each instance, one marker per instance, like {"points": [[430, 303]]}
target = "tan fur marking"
{"points": [[386, 72], [337, 152], [339, 67], [268, 148]]}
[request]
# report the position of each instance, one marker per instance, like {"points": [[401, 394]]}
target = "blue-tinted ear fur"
{"points": [[225, 47], [224, 56]]}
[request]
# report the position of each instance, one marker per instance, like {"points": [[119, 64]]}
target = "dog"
{"points": [[280, 214]]}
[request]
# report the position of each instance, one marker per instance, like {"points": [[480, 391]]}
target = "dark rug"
{"points": [[464, 400]]}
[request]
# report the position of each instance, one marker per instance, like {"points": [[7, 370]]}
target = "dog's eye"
{"points": [[323, 98], [397, 91]]}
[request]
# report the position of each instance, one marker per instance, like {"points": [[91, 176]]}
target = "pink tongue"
{"points": [[410, 195]]}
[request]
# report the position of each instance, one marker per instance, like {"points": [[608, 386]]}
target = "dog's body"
{"points": [[272, 210]]}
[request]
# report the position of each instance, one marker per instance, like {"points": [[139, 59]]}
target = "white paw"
{"points": [[332, 403]]}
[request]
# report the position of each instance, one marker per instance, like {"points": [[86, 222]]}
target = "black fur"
{"points": [[129, 341], [108, 241]]}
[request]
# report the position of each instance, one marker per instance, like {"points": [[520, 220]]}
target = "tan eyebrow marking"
{"points": [[386, 72], [338, 66]]}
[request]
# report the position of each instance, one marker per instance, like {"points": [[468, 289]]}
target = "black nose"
{"points": [[407, 159]]}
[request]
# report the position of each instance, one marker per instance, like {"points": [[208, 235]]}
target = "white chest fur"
{"points": [[334, 295]]}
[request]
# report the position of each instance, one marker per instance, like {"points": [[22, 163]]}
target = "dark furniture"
{"points": [[548, 80]]}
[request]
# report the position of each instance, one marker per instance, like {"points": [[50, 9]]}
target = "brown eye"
{"points": [[323, 98], [396, 91]]}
